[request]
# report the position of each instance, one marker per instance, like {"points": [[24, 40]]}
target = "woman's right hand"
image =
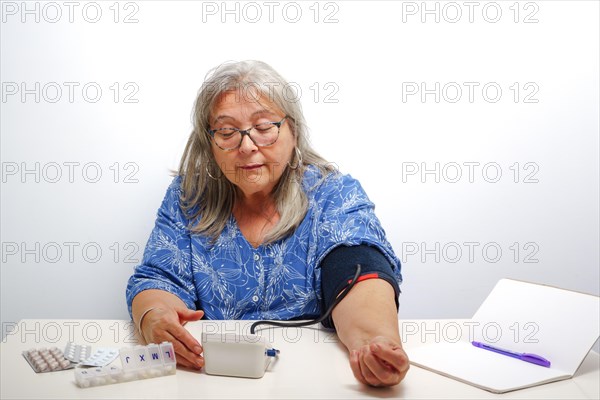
{"points": [[165, 324]]}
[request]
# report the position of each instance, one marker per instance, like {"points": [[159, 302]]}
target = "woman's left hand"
{"points": [[380, 362]]}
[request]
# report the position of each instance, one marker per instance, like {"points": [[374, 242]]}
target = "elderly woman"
{"points": [[258, 226]]}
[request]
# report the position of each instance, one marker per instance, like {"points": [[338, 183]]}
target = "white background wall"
{"points": [[516, 190]]}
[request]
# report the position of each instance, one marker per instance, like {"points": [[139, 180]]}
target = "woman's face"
{"points": [[253, 169]]}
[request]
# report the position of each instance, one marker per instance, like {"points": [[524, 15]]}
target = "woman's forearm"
{"points": [[369, 310], [367, 323]]}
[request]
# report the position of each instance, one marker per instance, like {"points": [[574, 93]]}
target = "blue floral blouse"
{"points": [[230, 279]]}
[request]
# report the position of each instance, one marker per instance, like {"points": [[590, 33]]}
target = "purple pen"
{"points": [[528, 357]]}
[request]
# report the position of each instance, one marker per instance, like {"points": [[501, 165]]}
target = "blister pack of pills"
{"points": [[53, 359], [101, 357], [47, 360], [77, 353], [139, 362]]}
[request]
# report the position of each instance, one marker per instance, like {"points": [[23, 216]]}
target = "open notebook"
{"points": [[557, 324]]}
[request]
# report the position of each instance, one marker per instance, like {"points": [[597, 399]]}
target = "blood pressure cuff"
{"points": [[339, 267]]}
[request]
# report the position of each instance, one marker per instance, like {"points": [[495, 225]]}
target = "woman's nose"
{"points": [[247, 145]]}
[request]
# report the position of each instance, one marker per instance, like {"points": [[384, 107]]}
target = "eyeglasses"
{"points": [[266, 134]]}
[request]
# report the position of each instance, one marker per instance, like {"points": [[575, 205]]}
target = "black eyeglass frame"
{"points": [[243, 132]]}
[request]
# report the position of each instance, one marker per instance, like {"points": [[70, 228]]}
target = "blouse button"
{"points": [[256, 257], [255, 298]]}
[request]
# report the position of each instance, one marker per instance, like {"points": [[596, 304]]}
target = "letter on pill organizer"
{"points": [[154, 355], [168, 353]]}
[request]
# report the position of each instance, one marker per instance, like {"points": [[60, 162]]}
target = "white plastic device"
{"points": [[246, 356]]}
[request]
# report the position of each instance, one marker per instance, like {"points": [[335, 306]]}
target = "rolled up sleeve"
{"points": [[347, 218]]}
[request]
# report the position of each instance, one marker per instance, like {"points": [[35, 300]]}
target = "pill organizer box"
{"points": [[139, 362]]}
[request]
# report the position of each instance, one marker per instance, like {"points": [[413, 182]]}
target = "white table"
{"points": [[312, 364]]}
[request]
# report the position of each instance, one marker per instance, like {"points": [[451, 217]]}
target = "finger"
{"points": [[186, 357], [185, 363], [189, 315], [365, 370], [384, 372], [392, 354], [355, 366], [182, 335], [184, 343]]}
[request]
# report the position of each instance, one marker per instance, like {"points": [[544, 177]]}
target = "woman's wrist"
{"points": [[140, 322], [361, 339]]}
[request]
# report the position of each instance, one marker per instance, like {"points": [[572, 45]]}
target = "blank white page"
{"points": [[557, 324], [482, 368], [562, 325]]}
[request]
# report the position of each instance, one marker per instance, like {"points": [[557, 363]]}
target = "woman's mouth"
{"points": [[249, 167]]}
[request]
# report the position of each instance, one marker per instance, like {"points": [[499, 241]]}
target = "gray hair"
{"points": [[210, 201]]}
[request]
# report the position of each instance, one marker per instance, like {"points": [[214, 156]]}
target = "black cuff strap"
{"points": [[339, 266]]}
